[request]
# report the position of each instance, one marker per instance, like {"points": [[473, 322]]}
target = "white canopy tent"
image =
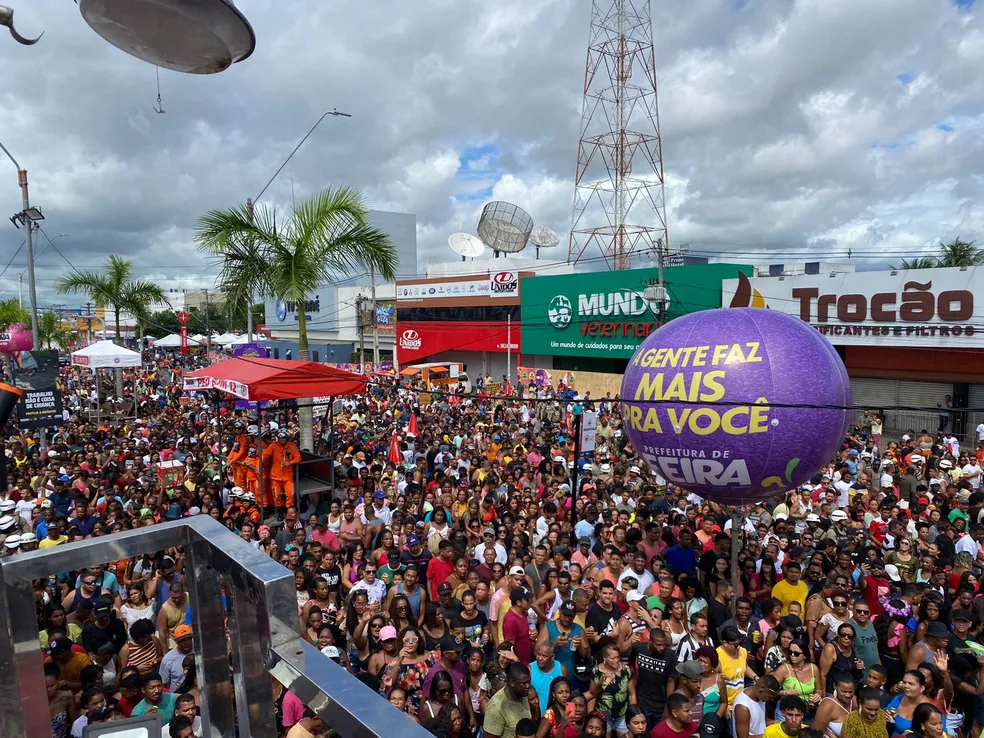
{"points": [[174, 341], [230, 339], [105, 355]]}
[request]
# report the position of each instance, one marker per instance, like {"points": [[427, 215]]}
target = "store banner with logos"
{"points": [[418, 340], [607, 314], [320, 311], [930, 308], [36, 372], [250, 351]]}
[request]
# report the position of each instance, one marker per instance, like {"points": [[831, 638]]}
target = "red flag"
{"points": [[412, 425], [394, 454]]}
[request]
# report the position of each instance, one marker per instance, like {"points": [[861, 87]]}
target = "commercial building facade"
{"points": [[471, 319], [910, 339], [595, 321]]}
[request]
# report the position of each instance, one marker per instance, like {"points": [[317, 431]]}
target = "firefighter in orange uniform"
{"points": [[252, 465], [239, 450], [282, 457]]}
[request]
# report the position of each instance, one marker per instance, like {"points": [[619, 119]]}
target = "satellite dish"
{"points": [[543, 238], [505, 227], [192, 36], [465, 244]]}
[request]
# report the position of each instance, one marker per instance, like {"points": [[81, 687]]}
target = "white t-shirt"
{"points": [[25, 508], [972, 468], [844, 493], [980, 432]]}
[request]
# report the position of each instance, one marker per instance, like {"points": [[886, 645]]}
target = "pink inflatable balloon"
{"points": [[15, 338]]}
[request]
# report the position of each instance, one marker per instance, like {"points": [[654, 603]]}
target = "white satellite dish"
{"points": [[543, 238], [465, 245]]}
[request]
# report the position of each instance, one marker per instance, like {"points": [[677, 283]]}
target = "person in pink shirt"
{"points": [[322, 535], [583, 555]]}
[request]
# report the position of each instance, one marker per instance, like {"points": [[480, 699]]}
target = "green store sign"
{"points": [[606, 313]]}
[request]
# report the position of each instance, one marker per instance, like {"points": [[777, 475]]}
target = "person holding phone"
{"points": [[840, 656]]}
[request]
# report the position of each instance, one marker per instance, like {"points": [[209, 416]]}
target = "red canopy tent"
{"points": [[275, 379]]}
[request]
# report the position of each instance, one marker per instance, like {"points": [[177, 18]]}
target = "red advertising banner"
{"points": [[184, 340], [417, 340]]}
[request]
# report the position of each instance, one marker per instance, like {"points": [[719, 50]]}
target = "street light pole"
{"points": [[250, 203], [29, 244]]}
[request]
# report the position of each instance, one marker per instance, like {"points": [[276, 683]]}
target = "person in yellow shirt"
{"points": [[793, 710], [56, 535], [733, 662], [791, 588]]}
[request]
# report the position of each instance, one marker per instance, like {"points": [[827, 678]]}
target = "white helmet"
{"points": [[236, 492], [253, 430], [249, 496]]}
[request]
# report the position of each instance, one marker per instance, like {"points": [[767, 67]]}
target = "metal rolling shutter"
{"points": [[922, 395], [975, 398], [874, 393]]}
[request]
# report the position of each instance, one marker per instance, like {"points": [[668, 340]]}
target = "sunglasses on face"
{"points": [[849, 636], [840, 603]]}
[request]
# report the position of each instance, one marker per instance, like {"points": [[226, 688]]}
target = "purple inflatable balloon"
{"points": [[698, 400], [16, 338]]}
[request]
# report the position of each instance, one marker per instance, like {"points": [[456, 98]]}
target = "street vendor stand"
{"points": [[106, 355]]}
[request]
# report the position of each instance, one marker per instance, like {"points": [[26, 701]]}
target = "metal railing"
{"points": [[234, 675]]}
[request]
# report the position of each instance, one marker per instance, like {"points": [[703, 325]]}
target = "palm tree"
{"points": [[115, 289], [11, 311], [50, 330], [960, 253], [956, 253], [325, 239], [920, 262]]}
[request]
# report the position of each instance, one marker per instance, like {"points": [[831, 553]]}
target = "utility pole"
{"points": [[88, 315], [375, 320], [359, 310], [249, 301], [20, 290], [208, 331], [509, 349], [250, 203], [27, 217]]}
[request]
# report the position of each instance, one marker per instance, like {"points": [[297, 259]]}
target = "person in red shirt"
{"points": [[439, 568], [516, 627], [874, 584], [677, 723]]}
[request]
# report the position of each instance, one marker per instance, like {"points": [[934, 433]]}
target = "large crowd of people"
{"points": [[450, 580]]}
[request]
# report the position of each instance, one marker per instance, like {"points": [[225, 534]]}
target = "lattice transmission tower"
{"points": [[619, 197]]}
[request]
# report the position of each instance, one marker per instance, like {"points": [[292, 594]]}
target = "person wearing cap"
{"points": [[936, 640], [107, 627], [70, 663], [451, 650], [488, 540], [281, 457], [172, 664], [516, 624]]}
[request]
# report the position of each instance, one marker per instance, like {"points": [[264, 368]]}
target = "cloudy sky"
{"points": [[791, 128]]}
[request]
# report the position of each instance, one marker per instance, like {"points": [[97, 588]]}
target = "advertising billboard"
{"points": [[320, 311], [907, 308], [606, 314], [36, 372]]}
